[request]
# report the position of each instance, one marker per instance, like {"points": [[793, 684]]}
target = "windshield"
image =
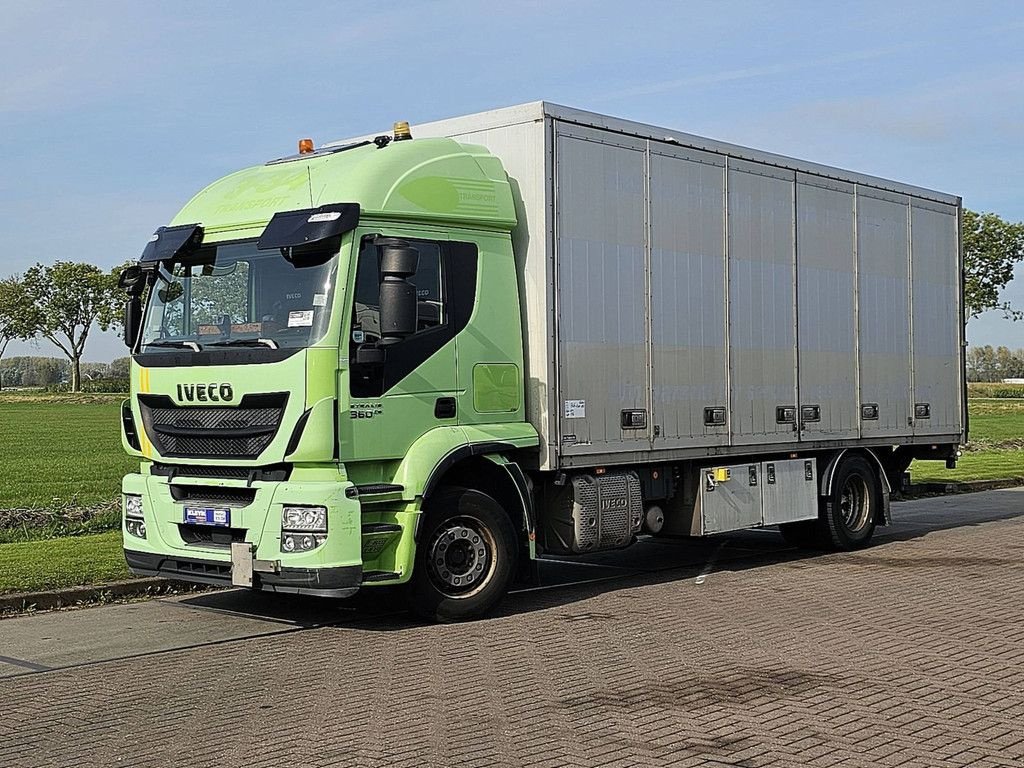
{"points": [[234, 295]]}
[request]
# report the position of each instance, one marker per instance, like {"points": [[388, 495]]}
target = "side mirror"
{"points": [[132, 321], [398, 306], [132, 280]]}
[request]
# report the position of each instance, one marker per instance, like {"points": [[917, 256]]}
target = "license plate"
{"points": [[208, 516]]}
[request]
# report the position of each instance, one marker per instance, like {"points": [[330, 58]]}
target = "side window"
{"points": [[445, 282], [429, 282]]}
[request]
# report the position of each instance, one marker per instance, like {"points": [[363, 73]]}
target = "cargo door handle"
{"points": [[444, 408]]}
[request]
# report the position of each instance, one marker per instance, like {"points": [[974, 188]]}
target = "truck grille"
{"points": [[242, 432]]}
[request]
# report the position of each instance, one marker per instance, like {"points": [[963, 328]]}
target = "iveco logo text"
{"points": [[205, 393]]}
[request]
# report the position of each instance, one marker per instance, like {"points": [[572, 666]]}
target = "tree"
{"points": [[61, 302], [992, 248], [9, 297]]}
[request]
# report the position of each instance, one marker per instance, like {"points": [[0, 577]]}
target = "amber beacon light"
{"points": [[305, 146], [402, 132]]}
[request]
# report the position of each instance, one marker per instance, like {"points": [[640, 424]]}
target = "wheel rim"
{"points": [[460, 557], [855, 503]]}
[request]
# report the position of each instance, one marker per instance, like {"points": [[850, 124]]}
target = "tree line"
{"points": [[994, 364], [62, 302], [36, 372]]}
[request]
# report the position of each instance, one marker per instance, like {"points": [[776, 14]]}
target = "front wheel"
{"points": [[465, 558]]}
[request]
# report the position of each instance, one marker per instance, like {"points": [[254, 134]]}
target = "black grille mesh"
{"points": [[213, 431]]}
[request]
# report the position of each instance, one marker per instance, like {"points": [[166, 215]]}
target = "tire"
{"points": [[466, 556], [847, 517]]}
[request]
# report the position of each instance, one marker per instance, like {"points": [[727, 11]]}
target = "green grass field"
{"points": [[55, 452], [68, 562], [995, 450]]}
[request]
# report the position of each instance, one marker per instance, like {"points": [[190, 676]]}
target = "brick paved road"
{"points": [[910, 653]]}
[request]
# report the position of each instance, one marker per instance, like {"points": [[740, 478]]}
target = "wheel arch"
{"points": [[827, 478], [486, 467]]}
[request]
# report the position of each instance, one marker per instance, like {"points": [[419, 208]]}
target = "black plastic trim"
{"points": [[292, 229], [519, 478], [171, 242], [186, 358], [300, 425], [369, 529], [342, 581], [459, 454], [128, 424], [272, 473], [377, 488]]}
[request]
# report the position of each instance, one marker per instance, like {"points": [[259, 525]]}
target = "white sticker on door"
{"points": [[300, 318], [575, 409]]}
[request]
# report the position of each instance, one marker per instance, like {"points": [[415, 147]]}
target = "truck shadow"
{"points": [[563, 581]]}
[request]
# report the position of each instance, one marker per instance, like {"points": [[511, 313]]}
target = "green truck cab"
{"points": [[298, 402]]}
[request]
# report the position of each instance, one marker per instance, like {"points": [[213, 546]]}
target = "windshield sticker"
{"points": [[300, 318], [575, 409], [319, 299]]}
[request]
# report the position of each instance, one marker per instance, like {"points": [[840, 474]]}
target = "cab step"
{"points": [[370, 529], [380, 576]]}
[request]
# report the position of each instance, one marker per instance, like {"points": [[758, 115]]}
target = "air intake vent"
{"points": [[221, 432]]}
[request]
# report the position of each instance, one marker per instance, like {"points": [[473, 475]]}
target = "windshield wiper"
{"points": [[180, 344], [245, 343]]}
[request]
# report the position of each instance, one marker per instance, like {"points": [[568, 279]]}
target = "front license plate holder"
{"points": [[218, 516]]}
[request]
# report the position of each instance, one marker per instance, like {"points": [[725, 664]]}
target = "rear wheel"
{"points": [[465, 558], [848, 515]]}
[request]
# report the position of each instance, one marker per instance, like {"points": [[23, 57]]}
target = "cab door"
{"points": [[415, 388]]}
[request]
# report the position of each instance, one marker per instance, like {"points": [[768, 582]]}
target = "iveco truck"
{"points": [[428, 357]]}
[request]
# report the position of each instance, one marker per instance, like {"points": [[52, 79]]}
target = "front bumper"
{"points": [[341, 581]]}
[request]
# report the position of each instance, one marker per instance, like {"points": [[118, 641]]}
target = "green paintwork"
{"points": [[496, 387], [431, 188], [429, 180]]}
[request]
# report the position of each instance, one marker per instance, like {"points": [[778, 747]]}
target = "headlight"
{"points": [[132, 505], [304, 519]]}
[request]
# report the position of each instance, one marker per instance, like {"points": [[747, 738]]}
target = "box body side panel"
{"points": [[688, 297], [935, 294], [826, 302], [762, 333], [601, 301], [883, 280]]}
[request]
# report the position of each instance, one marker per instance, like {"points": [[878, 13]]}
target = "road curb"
{"points": [[49, 600], [969, 486]]}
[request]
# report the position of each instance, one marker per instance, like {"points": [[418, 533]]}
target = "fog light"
{"points": [[136, 528], [301, 542]]}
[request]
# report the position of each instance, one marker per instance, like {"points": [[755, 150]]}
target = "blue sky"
{"points": [[113, 114]]}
